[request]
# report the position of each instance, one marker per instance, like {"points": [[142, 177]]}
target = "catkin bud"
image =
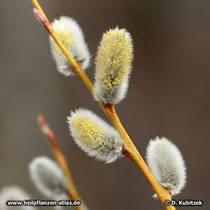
{"points": [[72, 37], [95, 136], [47, 177], [14, 193], [167, 164], [113, 66]]}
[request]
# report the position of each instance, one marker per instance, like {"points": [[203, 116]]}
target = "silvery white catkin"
{"points": [[113, 66], [167, 164], [94, 136], [14, 193], [47, 177], [72, 37]]}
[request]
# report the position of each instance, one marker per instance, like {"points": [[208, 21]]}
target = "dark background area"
{"points": [[169, 94]]}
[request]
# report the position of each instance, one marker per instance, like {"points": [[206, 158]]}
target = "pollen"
{"points": [[113, 66], [66, 40], [114, 58], [95, 136], [91, 135], [72, 37]]}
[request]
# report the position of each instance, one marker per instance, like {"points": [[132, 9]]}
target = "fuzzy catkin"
{"points": [[113, 66], [72, 37], [167, 164], [14, 193], [95, 136], [47, 177]]}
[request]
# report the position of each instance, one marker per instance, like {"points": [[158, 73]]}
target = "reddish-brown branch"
{"points": [[71, 189]]}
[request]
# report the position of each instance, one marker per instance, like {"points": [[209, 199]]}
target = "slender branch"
{"points": [[71, 189], [131, 152], [37, 5], [129, 148]]}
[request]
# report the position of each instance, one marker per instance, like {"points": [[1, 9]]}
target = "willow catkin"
{"points": [[167, 164], [47, 177], [95, 136], [72, 38], [113, 66]]}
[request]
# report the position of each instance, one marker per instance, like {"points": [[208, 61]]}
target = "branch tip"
{"points": [[40, 17], [46, 130], [41, 120]]}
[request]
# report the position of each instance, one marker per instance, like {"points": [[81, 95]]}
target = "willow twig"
{"points": [[71, 189], [130, 150]]}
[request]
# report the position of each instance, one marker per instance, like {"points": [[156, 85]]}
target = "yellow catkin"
{"points": [[114, 58], [113, 62], [92, 136], [95, 136], [89, 133]]}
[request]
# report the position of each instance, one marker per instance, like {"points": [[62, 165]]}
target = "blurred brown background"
{"points": [[169, 94]]}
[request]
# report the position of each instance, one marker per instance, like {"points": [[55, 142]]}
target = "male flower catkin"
{"points": [[72, 37], [47, 177], [166, 163], [113, 66], [14, 193], [95, 136]]}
